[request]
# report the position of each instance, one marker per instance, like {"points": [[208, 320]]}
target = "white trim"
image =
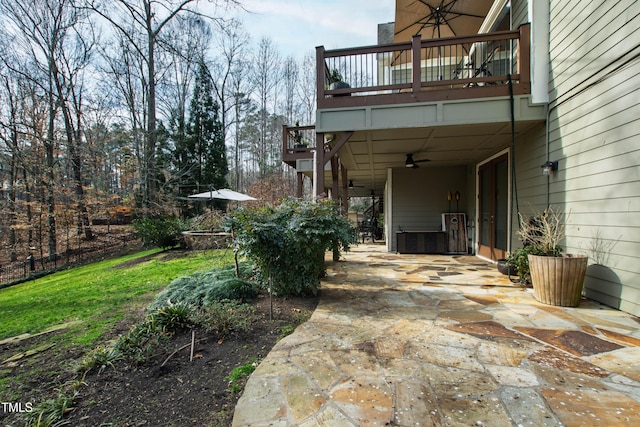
{"points": [[493, 15], [506, 151], [388, 215], [539, 17]]}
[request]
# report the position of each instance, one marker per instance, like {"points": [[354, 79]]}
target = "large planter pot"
{"points": [[558, 280], [340, 85], [504, 267]]}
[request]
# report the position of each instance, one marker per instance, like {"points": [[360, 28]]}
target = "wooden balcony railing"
{"points": [[297, 143], [425, 70]]}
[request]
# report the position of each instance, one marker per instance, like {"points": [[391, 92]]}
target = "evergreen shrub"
{"points": [[288, 242], [164, 232], [203, 288]]}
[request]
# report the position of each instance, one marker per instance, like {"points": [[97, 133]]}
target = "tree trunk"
{"points": [[150, 152], [50, 175], [73, 142], [13, 176]]}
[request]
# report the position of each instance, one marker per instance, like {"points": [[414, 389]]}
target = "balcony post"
{"points": [[318, 176], [285, 138], [334, 179], [345, 190], [300, 185], [415, 63], [524, 45], [320, 77]]}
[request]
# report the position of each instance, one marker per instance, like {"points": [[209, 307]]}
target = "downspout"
{"points": [[514, 186], [547, 148]]}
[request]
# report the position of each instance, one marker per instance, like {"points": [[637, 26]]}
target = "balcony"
{"points": [[425, 70], [298, 143], [451, 100]]}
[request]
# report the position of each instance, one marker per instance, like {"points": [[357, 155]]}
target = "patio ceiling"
{"points": [[368, 154]]}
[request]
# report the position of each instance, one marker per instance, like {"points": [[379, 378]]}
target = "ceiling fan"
{"points": [[410, 163], [354, 186]]}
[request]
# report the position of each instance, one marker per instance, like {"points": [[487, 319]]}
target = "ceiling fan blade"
{"points": [[410, 163]]}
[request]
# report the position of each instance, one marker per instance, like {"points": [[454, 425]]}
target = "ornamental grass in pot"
{"points": [[557, 278]]}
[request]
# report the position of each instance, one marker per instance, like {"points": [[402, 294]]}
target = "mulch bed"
{"points": [[181, 393]]}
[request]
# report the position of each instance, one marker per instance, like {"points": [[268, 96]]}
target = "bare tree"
{"points": [[290, 78], [241, 106], [227, 65], [148, 19], [184, 44], [11, 153], [266, 73], [229, 69], [51, 48], [124, 71], [306, 89]]}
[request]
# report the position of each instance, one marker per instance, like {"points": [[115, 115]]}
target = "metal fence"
{"points": [[34, 267]]}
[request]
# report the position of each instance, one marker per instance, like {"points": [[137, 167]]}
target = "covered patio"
{"points": [[433, 340]]}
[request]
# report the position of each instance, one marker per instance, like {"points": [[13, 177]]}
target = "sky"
{"points": [[297, 26]]}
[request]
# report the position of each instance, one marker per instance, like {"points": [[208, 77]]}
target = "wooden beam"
{"points": [[319, 166], [338, 145], [345, 190], [300, 185]]}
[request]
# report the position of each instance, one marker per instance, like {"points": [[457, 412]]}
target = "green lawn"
{"points": [[96, 295]]}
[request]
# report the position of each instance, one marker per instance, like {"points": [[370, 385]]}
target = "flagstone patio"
{"points": [[425, 340]]}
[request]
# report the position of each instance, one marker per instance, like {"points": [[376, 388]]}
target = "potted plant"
{"points": [[517, 263], [299, 144], [337, 82], [557, 279]]}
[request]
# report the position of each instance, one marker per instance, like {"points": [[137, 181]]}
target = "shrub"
{"points": [[230, 289], [173, 317], [49, 413], [164, 232], [541, 235], [100, 358], [519, 260], [138, 345], [544, 230], [288, 242], [206, 287], [225, 317], [211, 220]]}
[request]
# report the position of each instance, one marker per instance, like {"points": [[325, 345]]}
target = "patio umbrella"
{"points": [[224, 194], [434, 19]]}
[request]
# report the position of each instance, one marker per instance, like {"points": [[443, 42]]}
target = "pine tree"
{"points": [[206, 166]]}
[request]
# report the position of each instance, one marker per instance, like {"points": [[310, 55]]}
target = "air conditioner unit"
{"points": [[306, 165]]}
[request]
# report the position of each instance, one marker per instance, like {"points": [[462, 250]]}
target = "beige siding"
{"points": [[594, 133], [519, 13], [420, 197]]}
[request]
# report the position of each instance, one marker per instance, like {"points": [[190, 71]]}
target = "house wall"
{"points": [[594, 134], [519, 13], [420, 197]]}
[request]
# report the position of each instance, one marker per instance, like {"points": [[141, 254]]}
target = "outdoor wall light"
{"points": [[549, 167]]}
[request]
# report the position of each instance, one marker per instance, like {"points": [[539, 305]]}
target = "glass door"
{"points": [[493, 205]]}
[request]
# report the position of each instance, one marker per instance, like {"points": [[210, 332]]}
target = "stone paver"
{"points": [[421, 340]]}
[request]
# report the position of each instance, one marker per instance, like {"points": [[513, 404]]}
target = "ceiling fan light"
{"points": [[409, 162]]}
